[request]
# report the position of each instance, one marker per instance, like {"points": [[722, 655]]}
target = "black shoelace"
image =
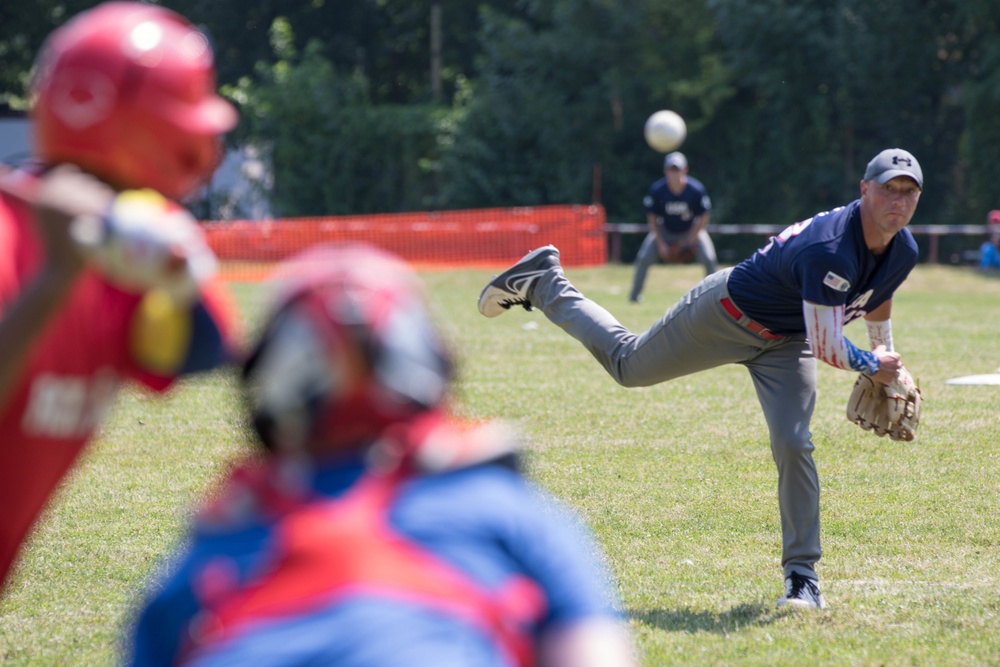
{"points": [[507, 303], [799, 583]]}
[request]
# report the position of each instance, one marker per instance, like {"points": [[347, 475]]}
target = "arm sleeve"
{"points": [[880, 333], [562, 554], [825, 331]]}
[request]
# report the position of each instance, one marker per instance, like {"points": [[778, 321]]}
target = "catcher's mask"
{"points": [[348, 351], [126, 91]]}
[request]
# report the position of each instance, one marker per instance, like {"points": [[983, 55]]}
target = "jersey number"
{"points": [[787, 233]]}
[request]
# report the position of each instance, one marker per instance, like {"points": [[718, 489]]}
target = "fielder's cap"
{"points": [[893, 162], [676, 160], [993, 217]]}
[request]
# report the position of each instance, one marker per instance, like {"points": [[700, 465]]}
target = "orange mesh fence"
{"points": [[247, 250]]}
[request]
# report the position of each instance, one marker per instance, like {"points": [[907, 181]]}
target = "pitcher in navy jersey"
{"points": [[775, 313], [677, 212], [376, 530]]}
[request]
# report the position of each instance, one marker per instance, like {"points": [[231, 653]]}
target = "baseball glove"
{"points": [[887, 409], [679, 253]]}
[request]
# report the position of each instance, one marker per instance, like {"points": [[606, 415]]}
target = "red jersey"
{"points": [[68, 380]]}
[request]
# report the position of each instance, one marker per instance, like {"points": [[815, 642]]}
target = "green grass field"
{"points": [[676, 480]]}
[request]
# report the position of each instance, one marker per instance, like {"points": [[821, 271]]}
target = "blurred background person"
{"points": [[100, 283], [677, 212], [989, 252], [375, 529]]}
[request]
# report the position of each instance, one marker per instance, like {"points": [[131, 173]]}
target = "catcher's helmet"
{"points": [[348, 350], [127, 92]]}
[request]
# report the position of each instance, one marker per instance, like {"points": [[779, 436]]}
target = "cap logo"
{"points": [[897, 159]]}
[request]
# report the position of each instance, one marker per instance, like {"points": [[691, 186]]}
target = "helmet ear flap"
{"points": [[408, 361], [262, 423]]}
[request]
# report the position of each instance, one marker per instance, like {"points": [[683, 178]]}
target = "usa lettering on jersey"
{"points": [[68, 406], [679, 209], [855, 309]]}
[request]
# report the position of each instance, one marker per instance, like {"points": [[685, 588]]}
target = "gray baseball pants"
{"points": [[696, 334], [704, 252]]}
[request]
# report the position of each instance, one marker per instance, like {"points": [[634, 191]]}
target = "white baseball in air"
{"points": [[665, 131]]}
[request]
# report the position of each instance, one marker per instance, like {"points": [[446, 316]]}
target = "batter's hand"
{"points": [[144, 241]]}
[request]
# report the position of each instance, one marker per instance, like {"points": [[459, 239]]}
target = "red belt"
{"points": [[746, 322]]}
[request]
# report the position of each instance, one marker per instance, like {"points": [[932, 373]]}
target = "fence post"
{"points": [[616, 244]]}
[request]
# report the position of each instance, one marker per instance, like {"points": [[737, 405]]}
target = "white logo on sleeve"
{"points": [[834, 281], [68, 406]]}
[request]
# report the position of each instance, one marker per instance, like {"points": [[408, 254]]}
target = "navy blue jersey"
{"points": [[823, 260], [677, 212]]}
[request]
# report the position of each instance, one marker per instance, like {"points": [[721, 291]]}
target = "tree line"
{"points": [[391, 105]]}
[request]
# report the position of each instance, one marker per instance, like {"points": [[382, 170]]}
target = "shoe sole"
{"points": [[491, 297], [799, 604]]}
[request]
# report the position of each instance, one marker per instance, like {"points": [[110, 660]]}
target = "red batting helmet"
{"points": [[127, 92], [348, 350]]}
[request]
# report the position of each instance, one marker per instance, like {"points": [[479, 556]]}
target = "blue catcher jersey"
{"points": [[824, 260], [677, 212], [355, 605]]}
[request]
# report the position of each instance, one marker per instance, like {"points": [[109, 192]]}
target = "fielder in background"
{"points": [[677, 211], [375, 529], [124, 99], [775, 313]]}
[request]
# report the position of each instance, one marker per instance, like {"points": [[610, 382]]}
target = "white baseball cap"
{"points": [[676, 160]]}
